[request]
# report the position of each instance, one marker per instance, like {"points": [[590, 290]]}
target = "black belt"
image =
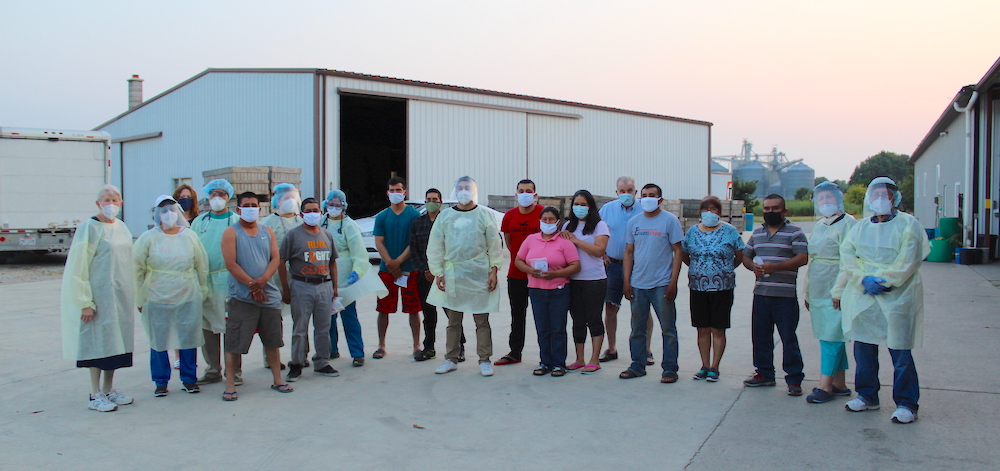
{"points": [[615, 260], [315, 281]]}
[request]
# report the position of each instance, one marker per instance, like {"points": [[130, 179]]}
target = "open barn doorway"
{"points": [[372, 150]]}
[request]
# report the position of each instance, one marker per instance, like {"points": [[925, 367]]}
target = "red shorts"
{"points": [[411, 296]]}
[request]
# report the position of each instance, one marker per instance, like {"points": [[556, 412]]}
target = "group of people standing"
{"points": [[197, 276]]}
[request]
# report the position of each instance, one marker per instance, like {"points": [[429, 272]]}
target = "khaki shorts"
{"points": [[245, 319]]}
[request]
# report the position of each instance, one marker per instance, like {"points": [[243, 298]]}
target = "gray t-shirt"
{"points": [[653, 257], [308, 254], [253, 255]]}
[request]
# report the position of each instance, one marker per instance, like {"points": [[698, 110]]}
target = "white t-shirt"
{"points": [[591, 267]]}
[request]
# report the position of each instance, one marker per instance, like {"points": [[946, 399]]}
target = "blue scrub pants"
{"points": [[833, 357], [352, 331], [160, 367]]}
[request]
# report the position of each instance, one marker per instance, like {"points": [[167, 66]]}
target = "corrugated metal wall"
{"points": [[218, 120], [935, 174], [561, 154]]}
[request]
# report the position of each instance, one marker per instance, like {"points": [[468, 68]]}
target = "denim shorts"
{"points": [[616, 284]]}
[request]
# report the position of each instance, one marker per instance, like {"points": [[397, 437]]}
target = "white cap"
{"points": [[163, 198]]}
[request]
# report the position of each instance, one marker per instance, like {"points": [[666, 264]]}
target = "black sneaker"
{"points": [[326, 371], [191, 388], [758, 380], [294, 371], [425, 355], [358, 361], [160, 391], [794, 389], [461, 355]]}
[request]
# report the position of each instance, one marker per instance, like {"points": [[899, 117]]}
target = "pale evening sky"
{"points": [[830, 82]]}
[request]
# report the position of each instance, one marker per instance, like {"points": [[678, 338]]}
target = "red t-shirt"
{"points": [[520, 226]]}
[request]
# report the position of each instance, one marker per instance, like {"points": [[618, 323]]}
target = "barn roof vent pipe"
{"points": [[134, 92]]}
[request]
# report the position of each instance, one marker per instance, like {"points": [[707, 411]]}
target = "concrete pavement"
{"points": [[396, 413]]}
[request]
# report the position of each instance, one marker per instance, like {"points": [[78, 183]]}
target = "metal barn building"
{"points": [[353, 131], [957, 165]]}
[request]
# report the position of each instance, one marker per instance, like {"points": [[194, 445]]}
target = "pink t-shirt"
{"points": [[556, 252]]}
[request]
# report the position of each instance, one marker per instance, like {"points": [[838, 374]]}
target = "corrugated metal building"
{"points": [[353, 131], [957, 164]]}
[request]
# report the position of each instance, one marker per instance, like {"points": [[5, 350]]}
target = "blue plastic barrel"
{"points": [[749, 222]]}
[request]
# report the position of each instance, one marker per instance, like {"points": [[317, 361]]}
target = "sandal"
{"points": [[589, 369], [574, 366], [506, 360], [541, 371], [282, 388], [230, 396], [629, 374], [379, 353], [558, 371]]}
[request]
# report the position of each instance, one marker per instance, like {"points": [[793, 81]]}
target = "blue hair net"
{"points": [[832, 188], [282, 192], [878, 182], [218, 184], [335, 195]]}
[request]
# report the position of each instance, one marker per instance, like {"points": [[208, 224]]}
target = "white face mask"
{"points": [[168, 219], [881, 206], [548, 228], [335, 211], [110, 211], [464, 196], [289, 206], [649, 204], [249, 214], [828, 210], [312, 219], [217, 203], [525, 199], [396, 198]]}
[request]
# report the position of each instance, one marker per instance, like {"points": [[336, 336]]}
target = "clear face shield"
{"points": [[286, 199], [169, 216], [882, 196], [465, 191], [827, 199]]}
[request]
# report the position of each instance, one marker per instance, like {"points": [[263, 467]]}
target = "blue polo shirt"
{"points": [[616, 217]]}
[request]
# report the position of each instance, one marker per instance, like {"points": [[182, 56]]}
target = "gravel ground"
{"points": [[25, 268]]}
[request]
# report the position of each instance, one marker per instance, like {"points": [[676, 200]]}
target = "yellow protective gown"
{"points": [[171, 272], [892, 251], [824, 267], [281, 226], [462, 248], [353, 256], [209, 230], [98, 274]]}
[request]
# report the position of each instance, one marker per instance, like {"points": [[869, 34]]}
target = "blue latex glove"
{"points": [[353, 278], [872, 286]]}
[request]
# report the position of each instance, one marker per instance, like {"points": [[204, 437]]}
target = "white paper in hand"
{"points": [[337, 304], [401, 281], [540, 264], [760, 261]]}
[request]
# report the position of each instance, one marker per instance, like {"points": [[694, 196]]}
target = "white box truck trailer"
{"points": [[48, 184]]}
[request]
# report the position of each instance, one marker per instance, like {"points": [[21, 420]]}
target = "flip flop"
{"points": [[590, 369], [506, 360], [574, 366], [230, 396], [282, 388], [379, 353]]}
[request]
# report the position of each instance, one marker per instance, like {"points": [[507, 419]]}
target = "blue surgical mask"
{"points": [[548, 228], [709, 219], [581, 211], [627, 199]]}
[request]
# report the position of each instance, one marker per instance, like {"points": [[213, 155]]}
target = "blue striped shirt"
{"points": [[787, 242]]}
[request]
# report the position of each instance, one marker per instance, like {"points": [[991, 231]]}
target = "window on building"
{"points": [[180, 181]]}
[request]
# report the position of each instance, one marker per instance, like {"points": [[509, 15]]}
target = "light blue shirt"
{"points": [[616, 217], [653, 257]]}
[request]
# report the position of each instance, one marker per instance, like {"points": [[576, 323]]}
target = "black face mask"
{"points": [[186, 203], [773, 218]]}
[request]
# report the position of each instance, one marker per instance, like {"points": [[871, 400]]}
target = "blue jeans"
{"points": [[160, 367], [905, 385], [666, 312], [352, 331], [550, 308], [770, 312]]}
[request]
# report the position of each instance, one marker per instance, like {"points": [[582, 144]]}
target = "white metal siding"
{"points": [[218, 120], [720, 184], [948, 152], [563, 154], [447, 142]]}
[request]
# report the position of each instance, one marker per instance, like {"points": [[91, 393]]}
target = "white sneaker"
{"points": [[486, 369], [100, 403], [177, 364], [119, 398], [858, 405], [903, 415], [446, 367]]}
